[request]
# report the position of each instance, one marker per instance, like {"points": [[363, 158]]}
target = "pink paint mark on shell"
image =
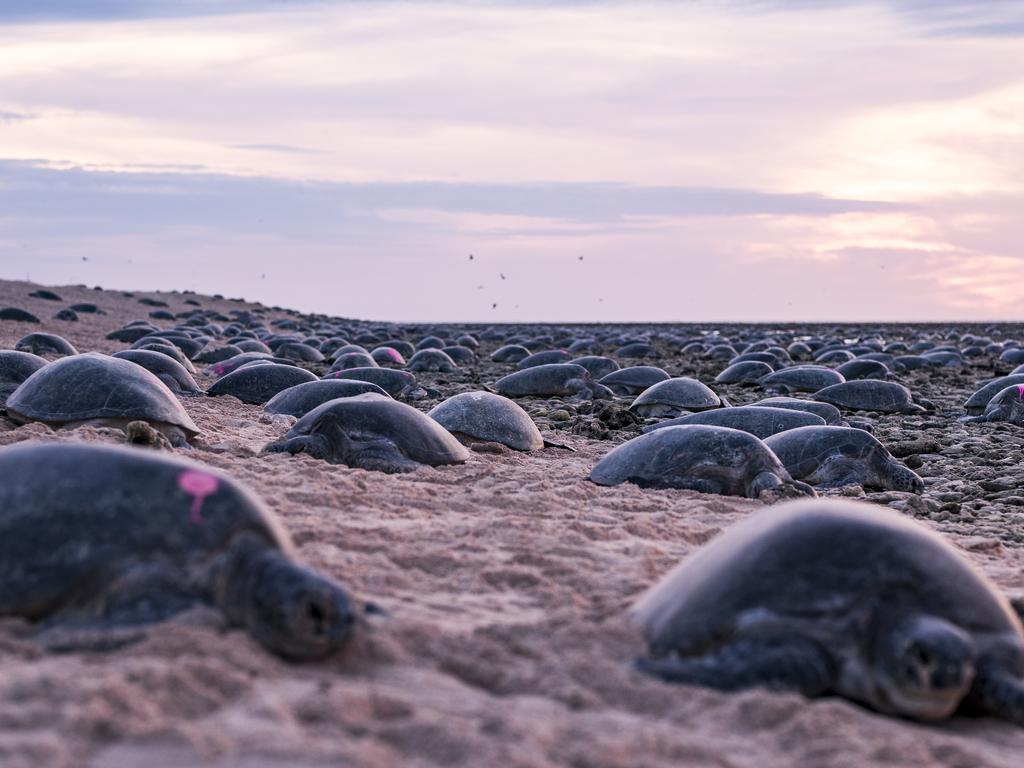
{"points": [[218, 369], [1020, 391], [198, 485]]}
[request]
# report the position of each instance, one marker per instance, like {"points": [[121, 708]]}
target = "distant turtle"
{"points": [[372, 432], [131, 333], [430, 342], [302, 398], [864, 369], [547, 357], [1007, 405], [634, 379], [552, 380], [745, 372], [910, 362], [166, 348], [396, 383], [389, 357], [673, 396], [168, 370], [300, 353], [67, 315], [252, 345], [596, 365], [103, 391], [698, 458], [256, 385], [485, 417], [976, 403], [831, 457], [218, 354], [15, 367], [98, 541], [834, 356], [838, 597], [870, 395], [461, 355], [431, 359], [761, 422], [801, 378], [510, 353], [17, 315], [42, 293], [232, 363], [637, 349], [45, 344], [404, 348], [348, 360], [827, 411]]}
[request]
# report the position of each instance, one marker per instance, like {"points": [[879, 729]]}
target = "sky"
{"points": [[698, 160]]}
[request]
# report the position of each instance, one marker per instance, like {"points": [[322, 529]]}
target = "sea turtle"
{"points": [[67, 315], [252, 345], [374, 432], [98, 541], [42, 293], [15, 367], [484, 417], [389, 357], [218, 354], [166, 348], [761, 422], [396, 383], [911, 362], [827, 411], [864, 369], [637, 349], [430, 342], [168, 370], [1007, 405], [744, 372], [553, 379], [257, 384], [131, 333], [45, 344], [299, 352], [302, 398], [232, 363], [976, 403], [838, 597], [698, 458], [347, 360], [1012, 356], [510, 353], [17, 315], [547, 357], [404, 348], [431, 359], [673, 396], [831, 457], [634, 379], [461, 355], [100, 390], [870, 395], [597, 365], [801, 378]]}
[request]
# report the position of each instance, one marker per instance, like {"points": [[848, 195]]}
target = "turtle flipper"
{"points": [[311, 444], [997, 692], [381, 456], [792, 664]]}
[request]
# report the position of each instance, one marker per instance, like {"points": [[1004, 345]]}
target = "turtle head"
{"points": [[924, 666], [286, 607], [905, 479]]}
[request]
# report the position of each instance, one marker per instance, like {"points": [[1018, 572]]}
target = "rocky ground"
{"points": [[502, 584]]}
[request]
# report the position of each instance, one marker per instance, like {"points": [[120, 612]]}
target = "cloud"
{"points": [[286, 148], [14, 117]]}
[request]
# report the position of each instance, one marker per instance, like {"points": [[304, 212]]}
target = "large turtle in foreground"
{"points": [[838, 597], [830, 457], [372, 432], [98, 541], [1007, 405], [699, 458], [975, 405], [103, 391]]}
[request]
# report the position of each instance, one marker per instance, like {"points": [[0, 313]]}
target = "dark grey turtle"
{"points": [[300, 353], [827, 411], [372, 432], [484, 417], [131, 333], [171, 351], [348, 360], [698, 458], [233, 363], [864, 369], [552, 380], [96, 542], [460, 355], [67, 315], [404, 348], [302, 398], [673, 396], [389, 357], [596, 365], [801, 378], [975, 405], [168, 370], [430, 342], [831, 457], [15, 367], [45, 344], [838, 597], [42, 293], [745, 372], [257, 384], [761, 422], [1007, 405], [218, 355], [17, 315], [911, 363], [634, 379], [547, 357], [396, 383], [252, 345], [510, 353], [431, 359], [870, 395], [637, 349], [100, 390]]}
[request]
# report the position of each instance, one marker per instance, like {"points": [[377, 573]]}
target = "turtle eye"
{"points": [[317, 618]]}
